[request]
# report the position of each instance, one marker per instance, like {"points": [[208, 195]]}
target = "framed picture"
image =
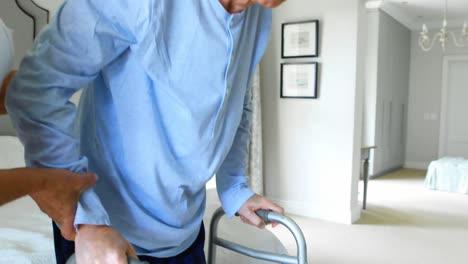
{"points": [[300, 39], [299, 80]]}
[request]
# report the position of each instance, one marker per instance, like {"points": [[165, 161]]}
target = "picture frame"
{"points": [[299, 80], [300, 39]]}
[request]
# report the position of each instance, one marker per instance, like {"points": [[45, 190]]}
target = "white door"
{"points": [[454, 114]]}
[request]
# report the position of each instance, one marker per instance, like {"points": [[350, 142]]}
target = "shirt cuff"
{"points": [[90, 211], [233, 199]]}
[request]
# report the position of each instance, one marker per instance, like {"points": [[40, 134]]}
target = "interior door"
{"points": [[454, 115]]}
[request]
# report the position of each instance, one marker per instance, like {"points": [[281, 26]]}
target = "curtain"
{"points": [[255, 166]]}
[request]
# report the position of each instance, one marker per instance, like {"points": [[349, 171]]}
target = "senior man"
{"points": [[167, 106]]}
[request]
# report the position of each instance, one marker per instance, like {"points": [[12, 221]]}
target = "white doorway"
{"points": [[454, 111]]}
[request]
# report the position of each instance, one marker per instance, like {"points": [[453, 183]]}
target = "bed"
{"points": [[448, 174], [26, 235]]}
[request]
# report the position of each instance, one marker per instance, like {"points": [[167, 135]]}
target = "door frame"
{"points": [[444, 98]]}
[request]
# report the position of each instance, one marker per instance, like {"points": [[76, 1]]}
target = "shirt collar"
{"points": [[223, 14]]}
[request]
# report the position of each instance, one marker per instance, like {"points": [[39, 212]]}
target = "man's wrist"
{"points": [[86, 227]]}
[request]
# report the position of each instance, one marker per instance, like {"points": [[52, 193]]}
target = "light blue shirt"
{"points": [[167, 105]]}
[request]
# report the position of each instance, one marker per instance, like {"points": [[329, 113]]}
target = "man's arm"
{"points": [[81, 40], [231, 180], [55, 191]]}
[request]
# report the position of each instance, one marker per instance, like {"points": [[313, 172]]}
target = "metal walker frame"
{"points": [[268, 217]]}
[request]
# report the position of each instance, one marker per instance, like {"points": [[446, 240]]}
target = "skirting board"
{"points": [[343, 216], [419, 165]]}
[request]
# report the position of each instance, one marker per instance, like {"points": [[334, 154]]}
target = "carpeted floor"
{"points": [[404, 223]]}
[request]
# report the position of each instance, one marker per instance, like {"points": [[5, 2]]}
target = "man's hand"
{"points": [[59, 196], [101, 244], [256, 202]]}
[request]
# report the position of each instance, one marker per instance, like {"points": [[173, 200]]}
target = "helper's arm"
{"points": [[82, 39], [62, 186], [3, 89]]}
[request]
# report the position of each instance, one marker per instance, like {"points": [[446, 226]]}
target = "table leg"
{"points": [[365, 177]]}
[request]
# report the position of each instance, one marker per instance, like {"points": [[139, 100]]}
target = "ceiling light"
{"points": [[443, 36]]}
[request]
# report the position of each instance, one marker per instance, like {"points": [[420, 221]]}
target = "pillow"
{"points": [[6, 50]]}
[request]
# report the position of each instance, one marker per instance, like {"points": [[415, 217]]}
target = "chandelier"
{"points": [[443, 36]]}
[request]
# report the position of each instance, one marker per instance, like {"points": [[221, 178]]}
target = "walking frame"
{"points": [[268, 217]]}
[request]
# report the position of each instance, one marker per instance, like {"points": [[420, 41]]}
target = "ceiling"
{"points": [[413, 13]]}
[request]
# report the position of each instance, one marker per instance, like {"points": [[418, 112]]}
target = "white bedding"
{"points": [[449, 174], [26, 236]]}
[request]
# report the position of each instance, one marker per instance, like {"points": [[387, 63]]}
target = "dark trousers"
{"points": [[192, 255]]}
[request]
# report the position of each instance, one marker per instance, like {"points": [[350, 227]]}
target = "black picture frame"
{"points": [[300, 39], [299, 80]]}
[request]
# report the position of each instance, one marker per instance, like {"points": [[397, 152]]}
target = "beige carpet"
{"points": [[404, 223]]}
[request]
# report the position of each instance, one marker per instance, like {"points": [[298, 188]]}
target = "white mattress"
{"points": [[26, 235], [449, 174]]}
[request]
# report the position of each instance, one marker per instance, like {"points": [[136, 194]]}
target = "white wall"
{"points": [[392, 94], [386, 92], [425, 103], [370, 94], [312, 146]]}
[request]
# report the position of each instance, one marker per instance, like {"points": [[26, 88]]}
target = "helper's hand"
{"points": [[256, 202], [59, 196], [101, 244]]}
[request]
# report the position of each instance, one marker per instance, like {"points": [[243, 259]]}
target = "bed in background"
{"points": [[26, 234], [449, 174]]}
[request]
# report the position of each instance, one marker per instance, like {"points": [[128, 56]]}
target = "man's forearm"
{"points": [[15, 183]]}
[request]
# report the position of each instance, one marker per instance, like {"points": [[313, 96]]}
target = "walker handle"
{"points": [[264, 215], [269, 217]]}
